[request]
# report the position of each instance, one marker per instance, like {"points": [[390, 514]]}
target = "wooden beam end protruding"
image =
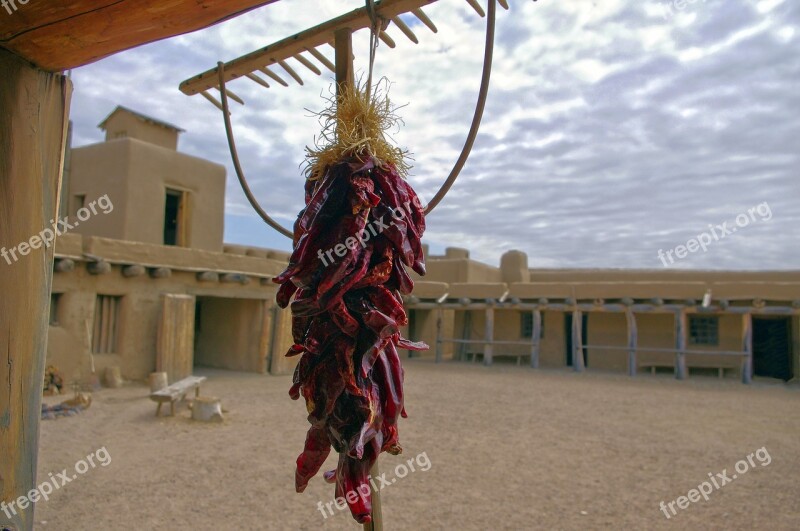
{"points": [[208, 276], [64, 265], [100, 267], [160, 272], [132, 271]]}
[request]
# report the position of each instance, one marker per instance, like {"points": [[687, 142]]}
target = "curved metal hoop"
{"points": [[237, 165], [451, 179], [476, 119]]}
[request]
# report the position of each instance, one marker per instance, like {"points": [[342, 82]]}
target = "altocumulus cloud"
{"points": [[611, 130]]}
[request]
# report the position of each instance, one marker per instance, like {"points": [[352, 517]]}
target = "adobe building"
{"points": [[142, 278], [739, 324], [144, 282]]}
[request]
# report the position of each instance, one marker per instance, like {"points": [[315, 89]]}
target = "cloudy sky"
{"points": [[614, 128]]}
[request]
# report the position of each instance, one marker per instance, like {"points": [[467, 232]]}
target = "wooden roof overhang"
{"points": [[57, 35]]}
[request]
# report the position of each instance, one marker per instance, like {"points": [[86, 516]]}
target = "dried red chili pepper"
{"points": [[347, 313]]}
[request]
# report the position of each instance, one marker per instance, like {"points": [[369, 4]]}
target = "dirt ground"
{"points": [[504, 447]]}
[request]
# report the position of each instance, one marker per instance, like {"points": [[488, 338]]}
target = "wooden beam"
{"points": [[311, 38], [577, 341], [630, 318], [60, 34], [535, 339], [747, 348], [681, 332], [34, 106]]}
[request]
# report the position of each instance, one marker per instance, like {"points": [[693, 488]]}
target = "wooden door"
{"points": [[175, 342]]}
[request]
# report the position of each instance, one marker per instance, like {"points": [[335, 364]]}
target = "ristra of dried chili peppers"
{"points": [[347, 311]]}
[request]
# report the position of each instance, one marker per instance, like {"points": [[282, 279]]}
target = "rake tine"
{"points": [[388, 40], [291, 71], [212, 99], [233, 96], [321, 58], [308, 64], [503, 4], [405, 29], [477, 7], [274, 76], [258, 80], [420, 14]]}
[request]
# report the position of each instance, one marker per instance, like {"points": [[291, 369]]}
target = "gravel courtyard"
{"points": [[493, 448]]}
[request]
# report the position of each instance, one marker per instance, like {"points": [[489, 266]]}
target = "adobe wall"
{"points": [[141, 306]]}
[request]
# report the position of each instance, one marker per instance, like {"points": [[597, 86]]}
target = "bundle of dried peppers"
{"points": [[360, 229]]}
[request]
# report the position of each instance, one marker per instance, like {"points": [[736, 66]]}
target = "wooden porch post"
{"points": [[632, 341], [577, 341], [747, 347], [439, 318], [535, 340], [265, 338], [34, 106], [681, 325], [488, 336]]}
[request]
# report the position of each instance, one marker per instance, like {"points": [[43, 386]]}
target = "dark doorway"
{"points": [[172, 218], [772, 347], [568, 336]]}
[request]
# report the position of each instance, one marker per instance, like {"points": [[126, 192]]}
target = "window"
{"points": [[55, 299], [106, 324], [527, 325], [175, 218], [78, 203], [703, 330]]}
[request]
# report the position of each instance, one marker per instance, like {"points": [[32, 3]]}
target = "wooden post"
{"points": [[265, 337], [34, 106], [681, 332], [345, 77], [488, 336], [747, 347], [535, 340], [577, 341], [377, 512], [632, 340], [439, 317]]}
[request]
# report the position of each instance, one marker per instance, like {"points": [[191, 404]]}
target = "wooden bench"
{"points": [[177, 392]]}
